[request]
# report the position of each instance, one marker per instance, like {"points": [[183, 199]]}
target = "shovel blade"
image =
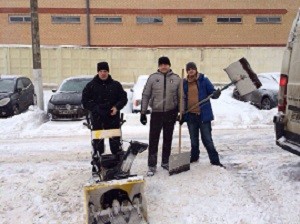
{"points": [[242, 68], [179, 163]]}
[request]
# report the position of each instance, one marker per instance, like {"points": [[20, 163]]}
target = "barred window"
{"points": [[65, 19], [229, 20], [19, 19], [189, 20], [268, 19], [102, 19], [149, 19]]}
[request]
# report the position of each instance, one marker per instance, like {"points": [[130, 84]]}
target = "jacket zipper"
{"points": [[165, 84]]}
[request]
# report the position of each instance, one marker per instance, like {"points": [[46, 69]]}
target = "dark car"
{"points": [[65, 103], [16, 95], [265, 97]]}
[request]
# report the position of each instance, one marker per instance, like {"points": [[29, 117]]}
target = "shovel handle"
{"points": [[180, 107]]}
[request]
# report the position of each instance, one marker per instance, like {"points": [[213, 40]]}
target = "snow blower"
{"points": [[115, 195]]}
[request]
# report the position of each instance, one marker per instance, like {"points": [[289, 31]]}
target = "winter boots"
{"points": [[151, 171]]}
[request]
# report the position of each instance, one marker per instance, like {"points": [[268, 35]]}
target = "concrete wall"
{"points": [[126, 64]]}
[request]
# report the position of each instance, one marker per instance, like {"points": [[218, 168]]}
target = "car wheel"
{"points": [[16, 109], [266, 103]]}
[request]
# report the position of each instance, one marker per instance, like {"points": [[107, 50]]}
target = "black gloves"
{"points": [[143, 119], [182, 120], [216, 94]]}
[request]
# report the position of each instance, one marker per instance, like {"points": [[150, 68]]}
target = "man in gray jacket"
{"points": [[161, 93]]}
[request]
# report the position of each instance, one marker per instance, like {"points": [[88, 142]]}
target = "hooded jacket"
{"points": [[161, 92], [99, 96], [205, 88]]}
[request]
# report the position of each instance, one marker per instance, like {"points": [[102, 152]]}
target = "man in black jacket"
{"points": [[104, 98]]}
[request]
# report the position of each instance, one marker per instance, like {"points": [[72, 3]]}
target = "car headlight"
{"points": [[4, 101], [50, 106]]}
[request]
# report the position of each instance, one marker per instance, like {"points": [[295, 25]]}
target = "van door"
{"points": [[293, 91]]}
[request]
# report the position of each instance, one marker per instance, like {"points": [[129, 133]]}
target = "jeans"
{"points": [[195, 126]]}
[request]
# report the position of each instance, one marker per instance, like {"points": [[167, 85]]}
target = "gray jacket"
{"points": [[161, 92]]}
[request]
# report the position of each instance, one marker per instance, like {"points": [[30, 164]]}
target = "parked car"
{"points": [[265, 97], [16, 94], [137, 92], [287, 120], [65, 103]]}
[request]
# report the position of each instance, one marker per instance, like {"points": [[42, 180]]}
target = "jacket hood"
{"points": [[66, 98]]}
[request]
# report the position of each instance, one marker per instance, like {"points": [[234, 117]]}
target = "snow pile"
{"points": [[15, 127]]}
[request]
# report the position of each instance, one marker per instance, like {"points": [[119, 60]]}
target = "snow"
{"points": [[45, 164]]}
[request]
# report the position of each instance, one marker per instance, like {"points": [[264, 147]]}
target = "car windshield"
{"points": [[269, 82], [73, 85], [6, 85]]}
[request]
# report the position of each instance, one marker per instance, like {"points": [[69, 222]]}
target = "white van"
{"points": [[287, 120]]}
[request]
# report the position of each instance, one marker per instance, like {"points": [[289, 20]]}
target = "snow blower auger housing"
{"points": [[116, 201]]}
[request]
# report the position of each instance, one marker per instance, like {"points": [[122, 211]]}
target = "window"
{"points": [[20, 84], [149, 19], [189, 20], [229, 20], [19, 19], [101, 19], [266, 19], [65, 19]]}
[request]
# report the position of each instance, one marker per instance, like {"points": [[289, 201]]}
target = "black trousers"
{"points": [[112, 122], [161, 121]]}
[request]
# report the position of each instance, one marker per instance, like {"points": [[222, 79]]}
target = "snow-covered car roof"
{"points": [[5, 76]]}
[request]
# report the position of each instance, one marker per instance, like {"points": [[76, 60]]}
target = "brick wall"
{"points": [[128, 33]]}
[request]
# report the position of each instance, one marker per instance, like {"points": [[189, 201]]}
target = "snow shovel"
{"points": [[241, 75], [180, 162]]}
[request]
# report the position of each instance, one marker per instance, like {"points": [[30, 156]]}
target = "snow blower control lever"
{"points": [[110, 166]]}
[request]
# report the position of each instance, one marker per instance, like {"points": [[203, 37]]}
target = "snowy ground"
{"points": [[44, 165]]}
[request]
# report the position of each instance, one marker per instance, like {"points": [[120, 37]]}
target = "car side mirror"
{"points": [[131, 90], [54, 90]]}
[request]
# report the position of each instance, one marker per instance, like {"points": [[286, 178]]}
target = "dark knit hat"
{"points": [[191, 65], [164, 60], [102, 66]]}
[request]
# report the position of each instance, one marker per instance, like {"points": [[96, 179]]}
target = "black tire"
{"points": [[266, 103]]}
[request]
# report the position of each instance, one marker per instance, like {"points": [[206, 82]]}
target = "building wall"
{"points": [[126, 64], [170, 33]]}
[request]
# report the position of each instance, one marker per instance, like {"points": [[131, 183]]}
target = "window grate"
{"points": [[65, 19], [149, 20]]}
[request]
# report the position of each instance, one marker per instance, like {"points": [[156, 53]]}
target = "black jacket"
{"points": [[99, 96]]}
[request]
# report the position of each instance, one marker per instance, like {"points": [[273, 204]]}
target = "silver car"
{"points": [[265, 97]]}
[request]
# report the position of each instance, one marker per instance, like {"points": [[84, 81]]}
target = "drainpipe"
{"points": [[88, 26]]}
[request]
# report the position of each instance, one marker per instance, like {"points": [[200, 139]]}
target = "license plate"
{"points": [[295, 117], [67, 112]]}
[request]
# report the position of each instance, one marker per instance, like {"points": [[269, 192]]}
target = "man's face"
{"points": [[103, 74], [191, 72], [164, 68]]}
